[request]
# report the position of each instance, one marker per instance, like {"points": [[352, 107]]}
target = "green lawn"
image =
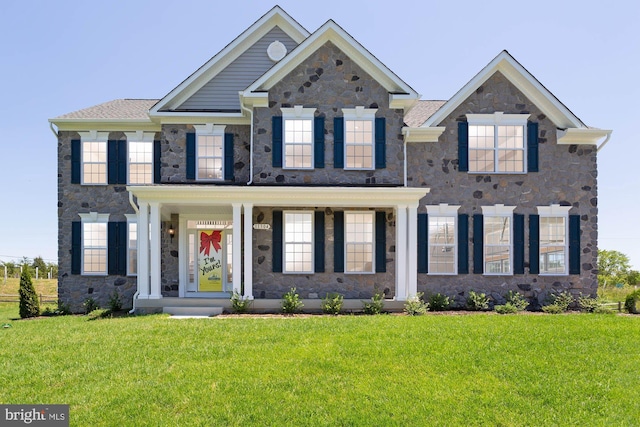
{"points": [[480, 369]]}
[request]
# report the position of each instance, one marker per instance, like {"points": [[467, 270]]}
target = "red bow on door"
{"points": [[206, 240]]}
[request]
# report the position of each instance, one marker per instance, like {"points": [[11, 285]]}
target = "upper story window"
{"points": [[298, 242], [140, 157], [443, 239], [498, 239], [359, 137], [94, 157], [298, 137], [94, 243], [210, 152], [497, 142], [554, 238]]}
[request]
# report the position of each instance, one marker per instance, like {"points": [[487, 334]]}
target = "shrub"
{"points": [[588, 304], [239, 304], [517, 300], [415, 306], [291, 302], [559, 303], [601, 309], [374, 306], [439, 302], [631, 302], [115, 303], [507, 308], [90, 305], [477, 302], [553, 309], [332, 303], [29, 304], [61, 310]]}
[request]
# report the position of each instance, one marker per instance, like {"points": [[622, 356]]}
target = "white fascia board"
{"points": [[401, 101], [524, 81], [254, 99], [189, 195], [201, 118], [421, 134], [587, 136], [275, 17], [332, 32], [106, 125]]}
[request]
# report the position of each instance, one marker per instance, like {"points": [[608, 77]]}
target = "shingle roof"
{"points": [[421, 112], [118, 109]]}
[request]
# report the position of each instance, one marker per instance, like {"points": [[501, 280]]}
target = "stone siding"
{"points": [[567, 177]]}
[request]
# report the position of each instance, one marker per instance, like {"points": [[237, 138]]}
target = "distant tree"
{"points": [[11, 269], [39, 263], [633, 278], [29, 304], [613, 267], [53, 267]]}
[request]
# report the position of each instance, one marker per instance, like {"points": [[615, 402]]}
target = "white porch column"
{"points": [[248, 251], [401, 253], [236, 262], [154, 244], [143, 250], [412, 251]]}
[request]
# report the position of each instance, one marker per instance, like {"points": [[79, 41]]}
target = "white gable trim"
{"points": [[275, 17], [560, 115]]}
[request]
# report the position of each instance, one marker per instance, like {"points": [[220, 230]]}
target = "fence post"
{"points": [[619, 306], [37, 272]]}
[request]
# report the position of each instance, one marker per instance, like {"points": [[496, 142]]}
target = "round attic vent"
{"points": [[276, 51]]}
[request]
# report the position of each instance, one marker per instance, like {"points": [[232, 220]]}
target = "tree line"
{"points": [[14, 269]]}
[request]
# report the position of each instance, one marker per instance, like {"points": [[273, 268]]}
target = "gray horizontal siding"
{"points": [[222, 91]]}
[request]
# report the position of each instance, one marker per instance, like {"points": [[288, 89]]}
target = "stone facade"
{"points": [[568, 176]]}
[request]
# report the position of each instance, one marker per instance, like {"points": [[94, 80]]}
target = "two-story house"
{"points": [[297, 159]]}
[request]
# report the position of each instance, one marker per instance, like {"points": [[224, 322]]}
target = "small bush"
{"points": [[374, 306], [332, 303], [415, 306], [29, 303], [439, 302], [517, 300], [61, 310], [507, 308], [100, 313], [90, 305], [631, 302], [559, 303], [588, 304], [553, 309], [239, 304], [115, 302], [477, 302], [291, 302], [603, 310]]}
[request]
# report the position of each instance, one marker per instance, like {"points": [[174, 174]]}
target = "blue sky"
{"points": [[61, 56]]}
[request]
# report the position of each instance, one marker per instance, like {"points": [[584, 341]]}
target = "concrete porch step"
{"points": [[193, 311]]}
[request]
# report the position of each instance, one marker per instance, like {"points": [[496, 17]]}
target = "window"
{"points": [[497, 142], [210, 152], [94, 243], [298, 137], [498, 239], [359, 137], [140, 162], [553, 239], [442, 239], [359, 242], [94, 162], [298, 242], [132, 249]]}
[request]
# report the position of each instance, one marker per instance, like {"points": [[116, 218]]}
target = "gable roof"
{"points": [[421, 111], [275, 17], [555, 110]]}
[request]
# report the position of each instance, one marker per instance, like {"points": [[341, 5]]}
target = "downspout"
{"points": [[53, 130], [604, 142], [406, 137], [250, 111], [135, 295]]}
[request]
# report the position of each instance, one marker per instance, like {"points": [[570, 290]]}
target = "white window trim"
{"points": [[94, 217], [373, 243], [94, 136], [500, 119], [497, 211], [139, 136], [131, 219], [444, 210], [555, 211], [284, 242], [210, 129], [297, 112], [363, 114]]}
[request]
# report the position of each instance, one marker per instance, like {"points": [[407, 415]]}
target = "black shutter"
{"points": [[228, 157], [463, 148], [122, 162], [463, 244], [318, 237], [112, 245], [112, 162], [76, 247], [532, 147], [277, 242], [338, 242], [318, 142], [534, 244], [157, 152], [276, 141], [381, 141], [381, 242], [574, 244], [122, 247], [518, 244], [338, 142], [423, 243], [478, 243], [76, 162], [191, 155]]}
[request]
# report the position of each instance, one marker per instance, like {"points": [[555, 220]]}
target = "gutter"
{"points": [[250, 111], [53, 130], [135, 295], [601, 146]]}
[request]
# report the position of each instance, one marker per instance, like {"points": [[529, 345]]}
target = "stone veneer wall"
{"points": [[169, 265], [73, 199], [267, 284], [329, 81], [567, 177]]}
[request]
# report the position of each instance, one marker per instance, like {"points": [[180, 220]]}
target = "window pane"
{"points": [[94, 162], [210, 154], [497, 244], [553, 247], [359, 144], [140, 162], [359, 241], [442, 244], [133, 249], [298, 245], [298, 140], [94, 241]]}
